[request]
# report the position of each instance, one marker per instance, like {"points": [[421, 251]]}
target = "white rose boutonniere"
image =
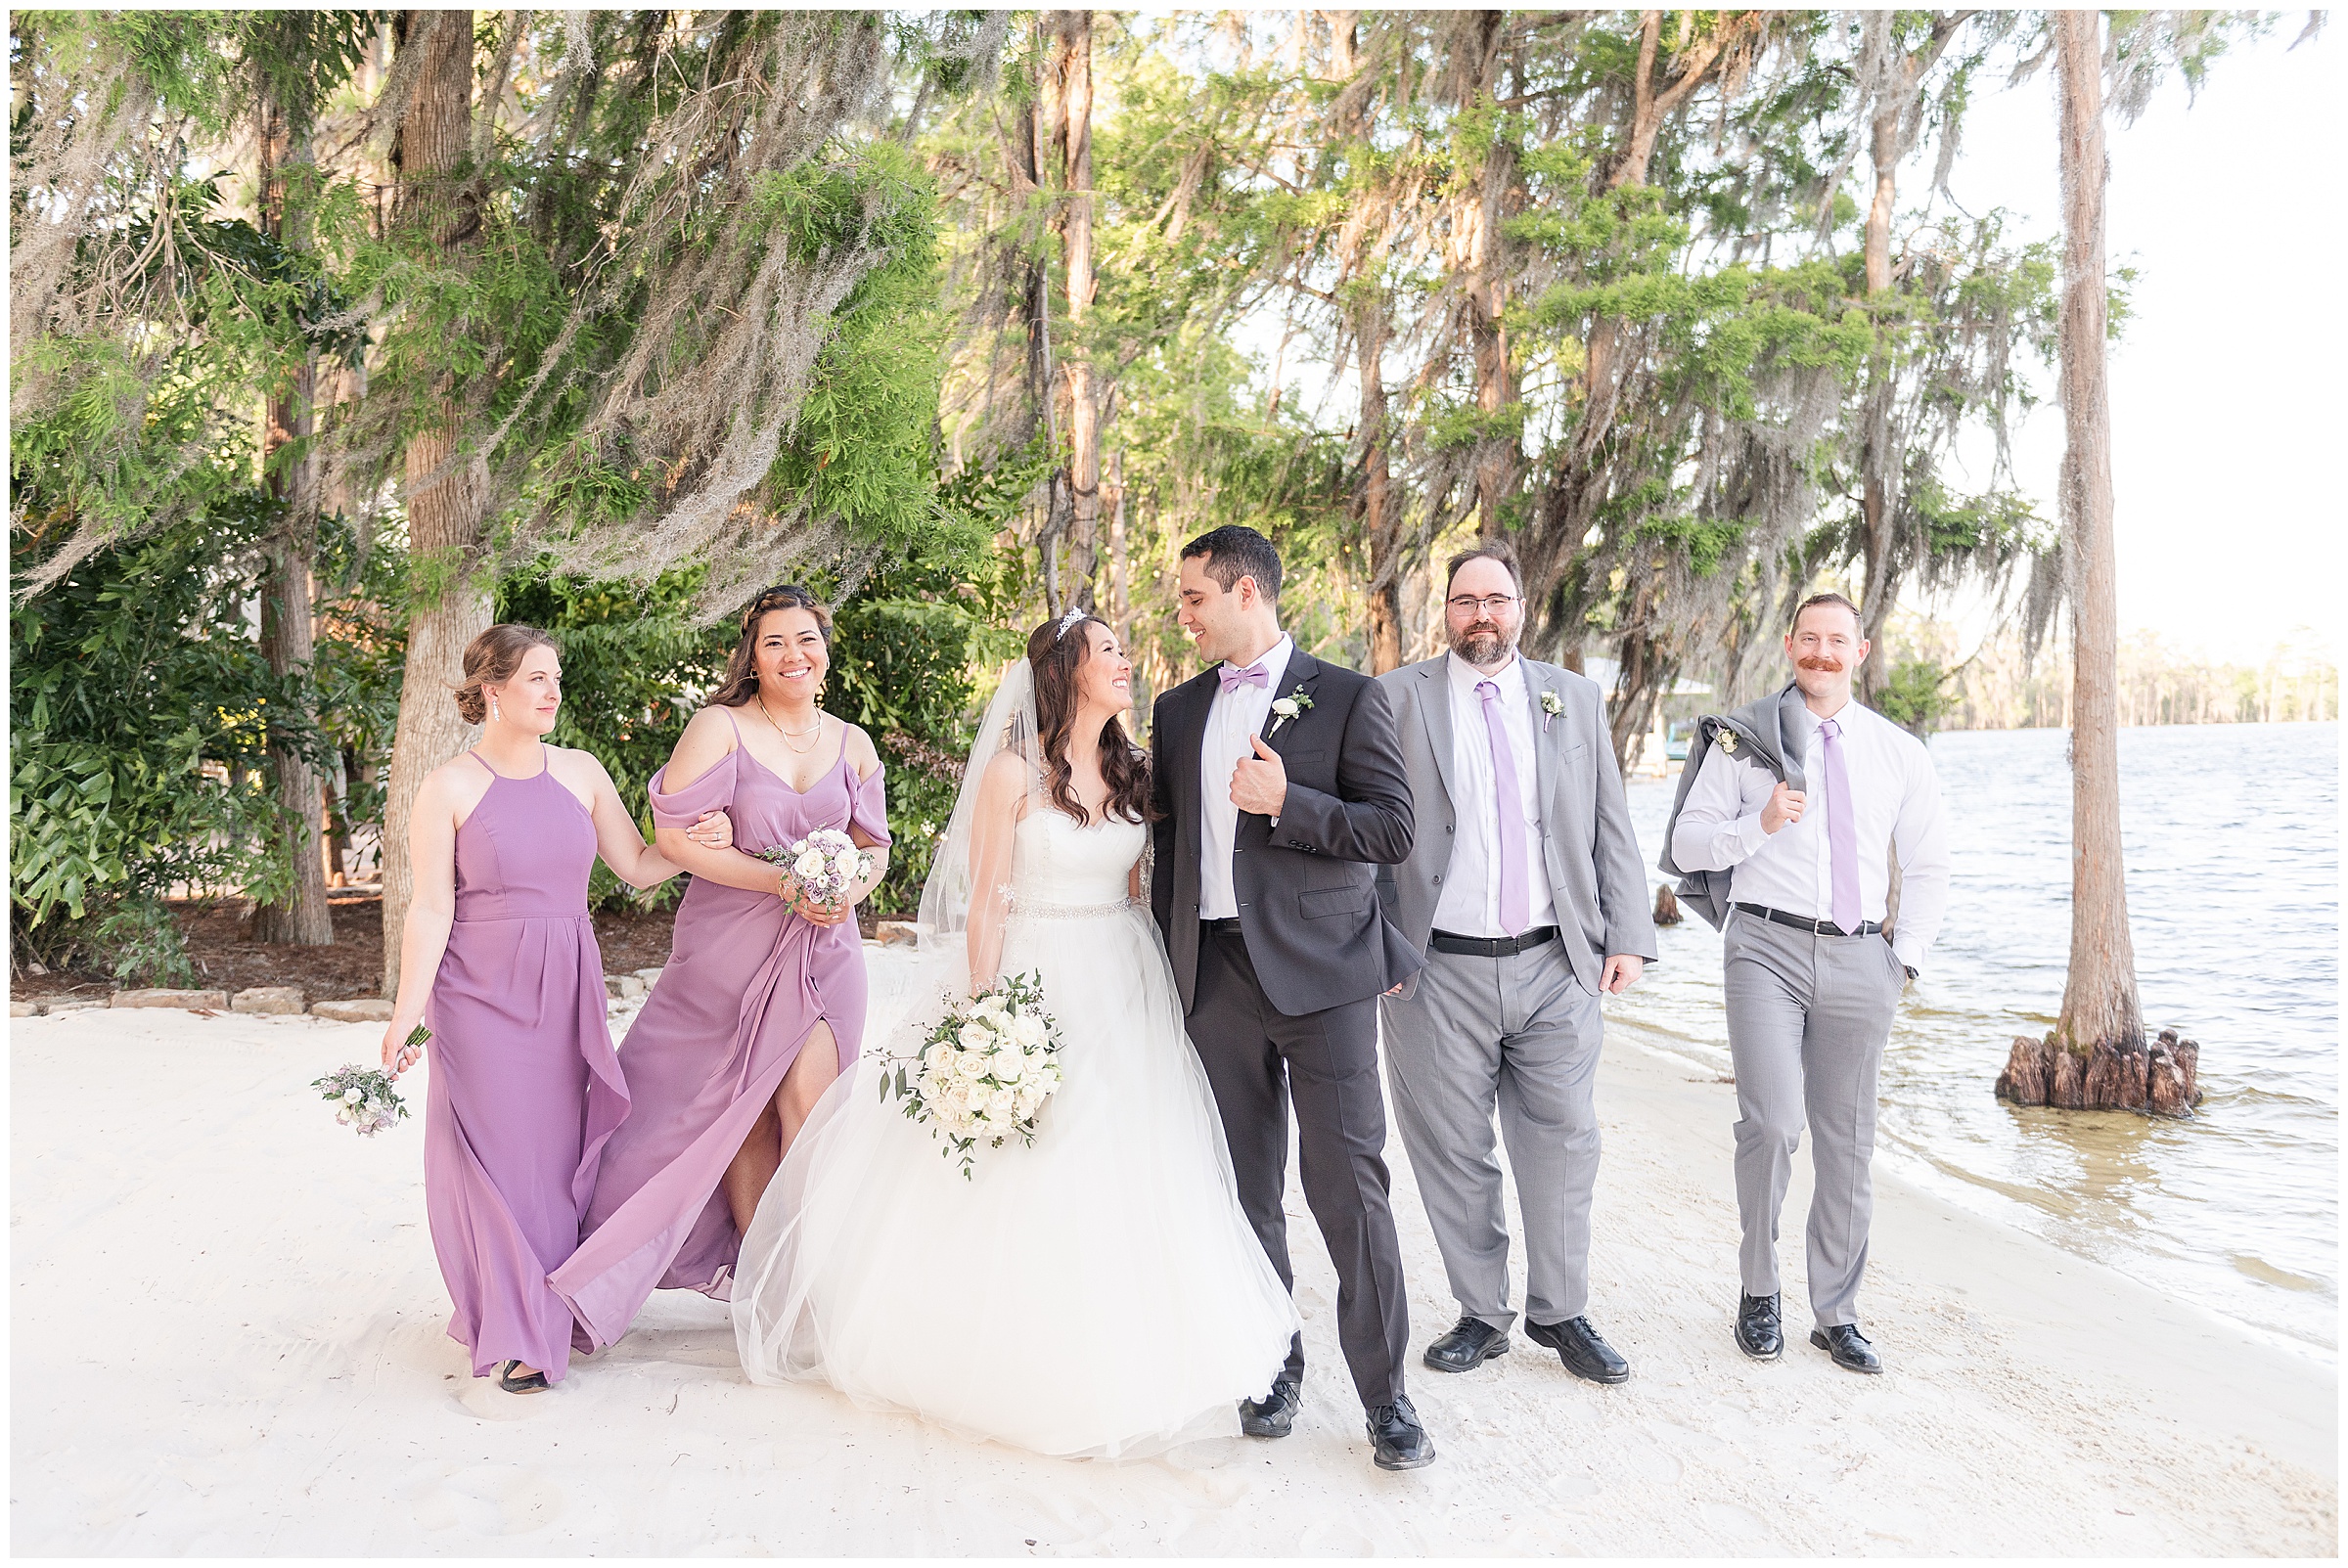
{"points": [[1286, 709], [1550, 706]]}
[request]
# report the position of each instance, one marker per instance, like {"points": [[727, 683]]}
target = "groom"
{"points": [[1279, 783]]}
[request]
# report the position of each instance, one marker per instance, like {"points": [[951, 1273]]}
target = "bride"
{"points": [[1099, 1293]]}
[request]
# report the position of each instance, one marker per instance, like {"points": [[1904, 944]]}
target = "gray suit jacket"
{"points": [[1596, 875]]}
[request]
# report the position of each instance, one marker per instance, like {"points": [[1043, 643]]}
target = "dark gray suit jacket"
{"points": [[1307, 904], [1595, 875]]}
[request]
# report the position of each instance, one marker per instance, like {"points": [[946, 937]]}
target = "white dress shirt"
{"points": [[1470, 901], [1232, 718], [1897, 800]]}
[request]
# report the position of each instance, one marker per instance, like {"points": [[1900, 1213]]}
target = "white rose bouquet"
{"points": [[983, 1073], [821, 867]]}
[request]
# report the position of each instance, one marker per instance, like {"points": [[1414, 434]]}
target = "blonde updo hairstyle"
{"points": [[490, 659]]}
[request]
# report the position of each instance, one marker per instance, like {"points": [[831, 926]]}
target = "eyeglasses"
{"points": [[1470, 604]]}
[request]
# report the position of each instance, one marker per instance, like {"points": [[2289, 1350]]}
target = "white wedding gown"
{"points": [[1099, 1293]]}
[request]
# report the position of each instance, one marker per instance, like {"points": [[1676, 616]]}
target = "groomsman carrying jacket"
{"points": [[1799, 882], [1525, 892]]}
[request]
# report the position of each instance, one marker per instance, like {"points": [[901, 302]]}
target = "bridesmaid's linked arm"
{"points": [[707, 743], [622, 847]]}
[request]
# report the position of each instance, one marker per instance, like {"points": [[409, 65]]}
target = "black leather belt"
{"points": [[1230, 925], [1803, 923], [1491, 947]]}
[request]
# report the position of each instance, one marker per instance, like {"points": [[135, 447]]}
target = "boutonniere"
{"points": [[1284, 710], [1550, 706], [1725, 740]]}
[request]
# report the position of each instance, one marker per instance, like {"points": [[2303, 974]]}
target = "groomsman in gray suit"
{"points": [[1525, 892], [1791, 813]]}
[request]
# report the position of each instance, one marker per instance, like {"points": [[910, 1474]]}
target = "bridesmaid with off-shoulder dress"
{"points": [[761, 1005], [499, 959]]}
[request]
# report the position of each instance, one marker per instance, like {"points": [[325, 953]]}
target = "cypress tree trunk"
{"points": [[444, 508], [1381, 528], [1875, 444], [2096, 1059], [2098, 1000], [286, 629], [1073, 71]]}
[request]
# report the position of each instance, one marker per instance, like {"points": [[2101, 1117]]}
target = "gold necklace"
{"points": [[814, 729]]}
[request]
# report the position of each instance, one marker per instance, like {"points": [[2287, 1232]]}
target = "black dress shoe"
{"points": [[1470, 1343], [1274, 1414], [527, 1383], [1578, 1345], [1849, 1348], [1401, 1442], [1759, 1334]]}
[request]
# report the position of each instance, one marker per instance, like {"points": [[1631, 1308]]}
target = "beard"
{"points": [[1483, 644]]}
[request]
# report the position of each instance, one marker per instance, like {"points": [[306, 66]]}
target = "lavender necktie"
{"points": [[1515, 901], [1842, 830]]}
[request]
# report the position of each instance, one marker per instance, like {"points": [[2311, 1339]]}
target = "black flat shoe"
{"points": [[1585, 1353], [1759, 1334], [1470, 1343], [529, 1383], [1849, 1348], [1399, 1441], [1274, 1414]]}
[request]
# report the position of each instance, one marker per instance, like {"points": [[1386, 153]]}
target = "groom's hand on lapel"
{"points": [[1260, 784]]}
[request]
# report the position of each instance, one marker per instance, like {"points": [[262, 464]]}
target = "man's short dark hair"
{"points": [[1499, 550], [1815, 600], [1233, 551]]}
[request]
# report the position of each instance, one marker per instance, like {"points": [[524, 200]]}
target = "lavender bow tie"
{"points": [[1252, 675]]}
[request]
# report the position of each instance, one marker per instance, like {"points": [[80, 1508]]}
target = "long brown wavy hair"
{"points": [[1055, 651], [741, 682]]}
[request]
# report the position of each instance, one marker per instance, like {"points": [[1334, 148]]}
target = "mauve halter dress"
{"points": [[524, 1088], [746, 981]]}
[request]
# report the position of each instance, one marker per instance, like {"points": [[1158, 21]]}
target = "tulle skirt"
{"points": [[1097, 1294]]}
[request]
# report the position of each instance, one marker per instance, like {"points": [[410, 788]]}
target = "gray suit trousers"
{"points": [[1808, 1019], [1517, 1035]]}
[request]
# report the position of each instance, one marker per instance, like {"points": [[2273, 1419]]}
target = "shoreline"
{"points": [[273, 1375]]}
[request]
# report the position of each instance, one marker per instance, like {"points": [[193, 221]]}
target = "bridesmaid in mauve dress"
{"points": [[761, 1004], [498, 959]]}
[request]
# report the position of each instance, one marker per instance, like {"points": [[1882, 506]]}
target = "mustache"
{"points": [[1832, 666]]}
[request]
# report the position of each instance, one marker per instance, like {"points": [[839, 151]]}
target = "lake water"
{"points": [[2231, 837]]}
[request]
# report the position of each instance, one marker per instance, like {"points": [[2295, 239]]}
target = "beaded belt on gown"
{"points": [[1036, 910]]}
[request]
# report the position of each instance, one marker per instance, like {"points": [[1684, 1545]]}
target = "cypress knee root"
{"points": [[2161, 1079], [1668, 906]]}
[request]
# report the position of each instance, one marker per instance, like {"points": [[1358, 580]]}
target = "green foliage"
{"points": [[1915, 696], [141, 715], [904, 655]]}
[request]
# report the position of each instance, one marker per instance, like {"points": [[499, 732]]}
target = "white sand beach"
{"points": [[227, 1337]]}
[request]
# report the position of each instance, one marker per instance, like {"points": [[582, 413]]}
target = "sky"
{"points": [[2225, 382]]}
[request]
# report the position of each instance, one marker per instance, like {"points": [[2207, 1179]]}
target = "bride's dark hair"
{"points": [[1055, 651]]}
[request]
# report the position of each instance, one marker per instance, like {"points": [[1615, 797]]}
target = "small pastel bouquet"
{"points": [[363, 1097], [983, 1073], [821, 867]]}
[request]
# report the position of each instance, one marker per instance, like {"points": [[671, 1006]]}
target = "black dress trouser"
{"points": [[1256, 1059]]}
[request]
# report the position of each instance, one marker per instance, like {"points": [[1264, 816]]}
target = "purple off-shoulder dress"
{"points": [[525, 1089], [746, 981]]}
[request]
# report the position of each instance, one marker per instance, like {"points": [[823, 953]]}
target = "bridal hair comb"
{"points": [[1066, 621]]}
